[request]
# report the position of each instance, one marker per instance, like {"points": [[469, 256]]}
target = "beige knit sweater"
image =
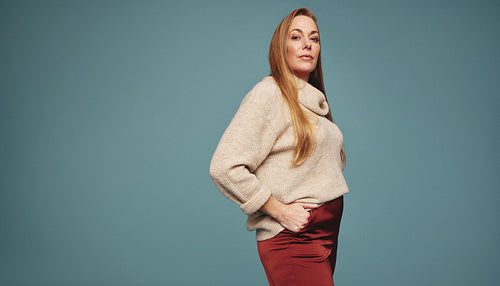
{"points": [[253, 158]]}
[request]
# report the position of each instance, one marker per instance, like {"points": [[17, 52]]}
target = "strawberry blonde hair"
{"points": [[305, 138]]}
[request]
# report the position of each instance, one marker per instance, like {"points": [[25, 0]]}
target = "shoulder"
{"points": [[267, 83], [266, 92]]}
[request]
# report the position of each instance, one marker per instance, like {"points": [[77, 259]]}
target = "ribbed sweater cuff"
{"points": [[256, 201]]}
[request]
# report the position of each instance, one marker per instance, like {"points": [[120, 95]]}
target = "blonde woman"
{"points": [[281, 160]]}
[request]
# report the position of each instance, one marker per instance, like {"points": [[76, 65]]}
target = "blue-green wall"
{"points": [[110, 112]]}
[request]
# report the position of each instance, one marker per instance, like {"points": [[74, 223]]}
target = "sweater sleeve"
{"points": [[245, 144]]}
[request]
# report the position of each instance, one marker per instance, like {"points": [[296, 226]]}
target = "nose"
{"points": [[307, 43]]}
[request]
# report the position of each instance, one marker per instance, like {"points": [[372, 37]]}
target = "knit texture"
{"points": [[253, 158]]}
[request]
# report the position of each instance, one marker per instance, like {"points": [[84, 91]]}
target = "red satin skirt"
{"points": [[306, 257]]}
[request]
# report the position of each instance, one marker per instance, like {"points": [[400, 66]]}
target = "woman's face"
{"points": [[302, 46]]}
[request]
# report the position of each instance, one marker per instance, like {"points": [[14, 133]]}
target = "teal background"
{"points": [[110, 112]]}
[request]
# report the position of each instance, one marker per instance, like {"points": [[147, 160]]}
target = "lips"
{"points": [[306, 57]]}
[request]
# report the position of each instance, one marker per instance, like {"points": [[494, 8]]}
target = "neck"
{"points": [[304, 77]]}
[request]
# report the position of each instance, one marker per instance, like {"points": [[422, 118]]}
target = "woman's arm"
{"points": [[244, 146], [246, 143]]}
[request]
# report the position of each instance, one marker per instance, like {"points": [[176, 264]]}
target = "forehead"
{"points": [[303, 23]]}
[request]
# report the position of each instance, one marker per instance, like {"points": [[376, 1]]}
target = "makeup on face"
{"points": [[303, 46]]}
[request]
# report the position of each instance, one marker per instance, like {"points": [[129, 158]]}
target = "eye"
{"points": [[315, 39], [295, 37]]}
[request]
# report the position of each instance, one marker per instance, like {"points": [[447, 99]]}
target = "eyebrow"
{"points": [[299, 30]]}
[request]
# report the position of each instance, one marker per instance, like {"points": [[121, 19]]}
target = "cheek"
{"points": [[289, 50], [290, 54]]}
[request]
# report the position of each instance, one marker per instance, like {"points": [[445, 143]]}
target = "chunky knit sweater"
{"points": [[254, 157]]}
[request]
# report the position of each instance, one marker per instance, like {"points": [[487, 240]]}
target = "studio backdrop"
{"points": [[110, 112]]}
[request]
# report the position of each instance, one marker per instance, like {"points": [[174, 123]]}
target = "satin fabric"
{"points": [[306, 257]]}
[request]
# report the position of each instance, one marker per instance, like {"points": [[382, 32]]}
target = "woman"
{"points": [[281, 160]]}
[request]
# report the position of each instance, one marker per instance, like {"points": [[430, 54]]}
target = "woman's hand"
{"points": [[293, 216]]}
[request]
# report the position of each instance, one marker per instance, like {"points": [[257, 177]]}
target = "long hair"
{"points": [[305, 137]]}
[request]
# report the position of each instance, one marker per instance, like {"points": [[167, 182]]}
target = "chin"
{"points": [[304, 71]]}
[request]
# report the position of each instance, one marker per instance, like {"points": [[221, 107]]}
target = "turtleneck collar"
{"points": [[312, 98]]}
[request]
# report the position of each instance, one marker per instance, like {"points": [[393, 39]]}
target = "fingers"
{"points": [[301, 222], [309, 205], [299, 227], [295, 218], [295, 227], [305, 219]]}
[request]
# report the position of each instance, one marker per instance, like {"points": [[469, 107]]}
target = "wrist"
{"points": [[273, 207]]}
